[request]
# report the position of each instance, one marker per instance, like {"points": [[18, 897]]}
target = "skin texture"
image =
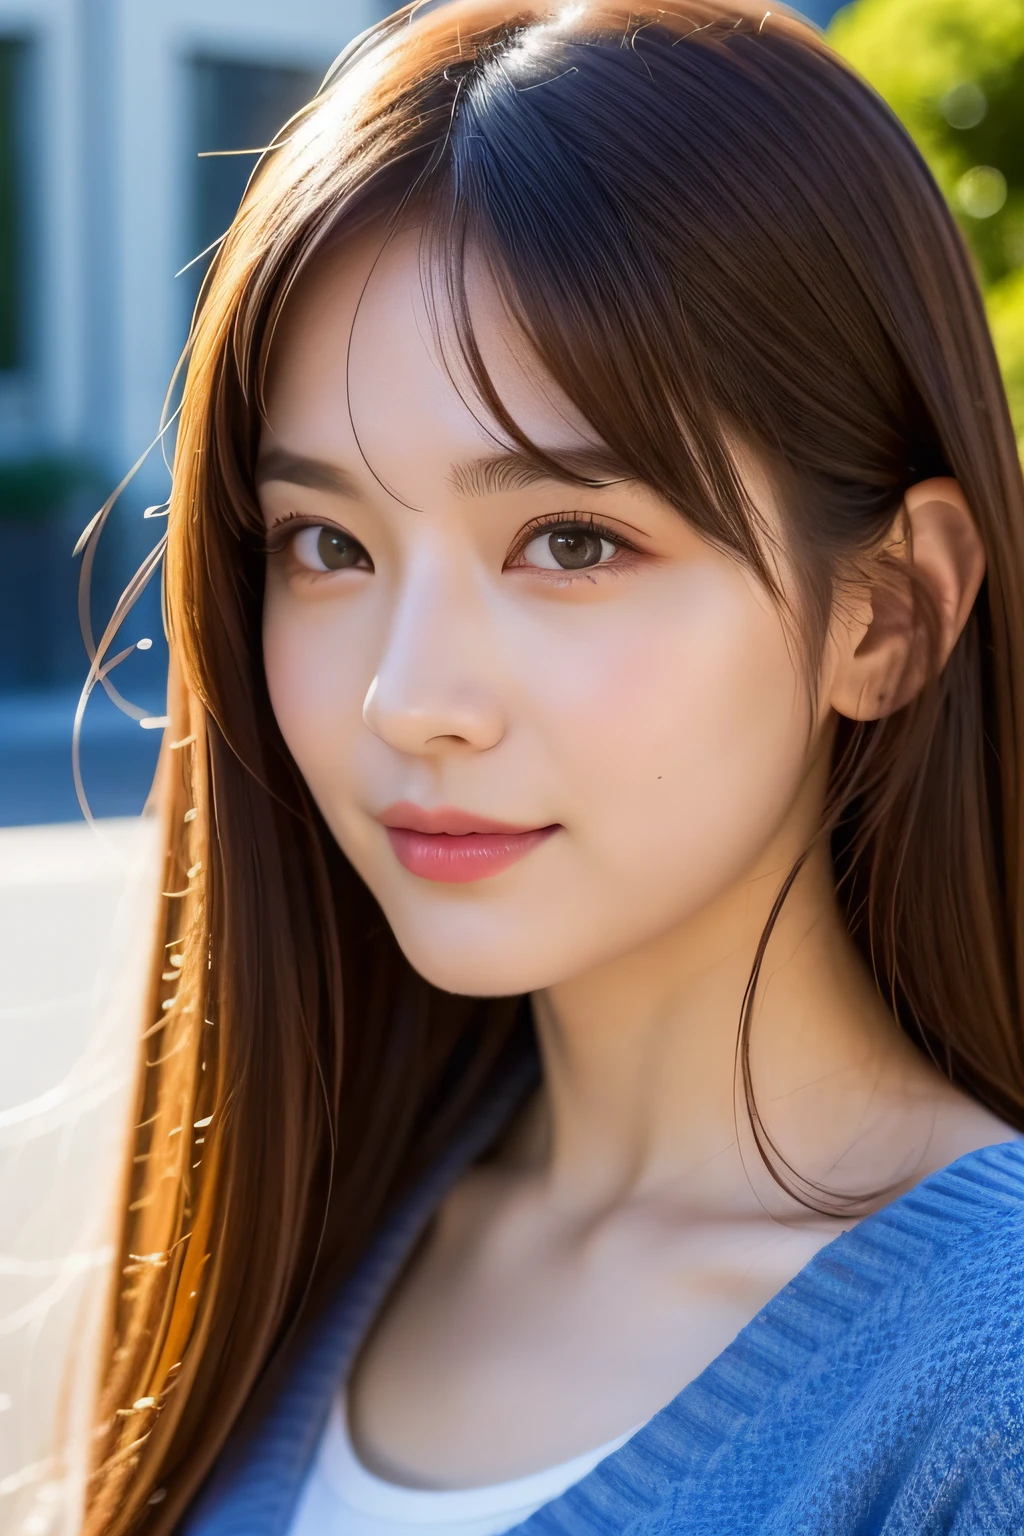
{"points": [[653, 709]]}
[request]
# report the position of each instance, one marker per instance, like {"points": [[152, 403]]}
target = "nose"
{"points": [[436, 688]]}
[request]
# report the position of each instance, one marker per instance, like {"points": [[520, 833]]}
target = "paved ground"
{"points": [[60, 880], [75, 905], [61, 888]]}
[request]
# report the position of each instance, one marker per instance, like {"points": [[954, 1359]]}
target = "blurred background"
{"points": [[126, 132]]}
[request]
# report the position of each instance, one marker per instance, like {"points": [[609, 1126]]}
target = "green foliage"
{"points": [[953, 71], [1006, 314], [34, 488]]}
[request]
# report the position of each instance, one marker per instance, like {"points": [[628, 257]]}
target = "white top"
{"points": [[341, 1498]]}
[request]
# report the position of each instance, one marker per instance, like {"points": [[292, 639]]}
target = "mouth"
{"points": [[454, 847]]}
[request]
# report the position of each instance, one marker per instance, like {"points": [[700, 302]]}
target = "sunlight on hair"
{"points": [[60, 1159], [533, 39]]}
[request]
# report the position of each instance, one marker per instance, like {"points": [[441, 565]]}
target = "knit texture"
{"points": [[880, 1393]]}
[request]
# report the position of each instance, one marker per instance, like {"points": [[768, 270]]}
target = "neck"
{"points": [[640, 1063]]}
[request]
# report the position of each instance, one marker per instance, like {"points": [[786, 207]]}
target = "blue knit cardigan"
{"points": [[880, 1393]]}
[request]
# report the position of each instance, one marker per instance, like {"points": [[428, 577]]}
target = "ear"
{"points": [[880, 656]]}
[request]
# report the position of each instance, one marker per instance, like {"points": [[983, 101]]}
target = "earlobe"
{"points": [[884, 656]]}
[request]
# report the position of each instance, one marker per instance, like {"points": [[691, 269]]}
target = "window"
{"points": [[12, 230], [238, 106]]}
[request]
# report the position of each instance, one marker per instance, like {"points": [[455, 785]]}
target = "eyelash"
{"points": [[278, 538], [585, 520]]}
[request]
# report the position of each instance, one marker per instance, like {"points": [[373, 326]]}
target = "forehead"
{"points": [[364, 365]]}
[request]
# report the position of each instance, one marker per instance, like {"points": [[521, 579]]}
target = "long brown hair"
{"points": [[708, 228]]}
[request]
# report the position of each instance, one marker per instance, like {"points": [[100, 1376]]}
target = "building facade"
{"points": [[106, 110]]}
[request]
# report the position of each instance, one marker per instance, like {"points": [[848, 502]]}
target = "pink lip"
{"points": [[453, 846]]}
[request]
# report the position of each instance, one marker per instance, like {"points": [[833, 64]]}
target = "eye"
{"points": [[325, 548], [568, 548]]}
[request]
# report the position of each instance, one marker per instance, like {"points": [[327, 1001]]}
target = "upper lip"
{"points": [[443, 818]]}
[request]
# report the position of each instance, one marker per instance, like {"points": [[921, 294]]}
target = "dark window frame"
{"points": [[237, 102], [16, 296]]}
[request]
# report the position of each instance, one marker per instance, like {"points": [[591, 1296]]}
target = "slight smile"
{"points": [[453, 846]]}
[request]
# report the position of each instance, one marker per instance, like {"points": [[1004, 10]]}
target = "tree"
{"points": [[953, 72]]}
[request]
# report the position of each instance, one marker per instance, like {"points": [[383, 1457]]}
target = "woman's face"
{"points": [[546, 724]]}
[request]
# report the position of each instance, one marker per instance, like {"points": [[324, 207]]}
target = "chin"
{"points": [[480, 976], [461, 957]]}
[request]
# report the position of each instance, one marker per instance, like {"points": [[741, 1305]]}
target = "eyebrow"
{"points": [[511, 470], [489, 474], [314, 474]]}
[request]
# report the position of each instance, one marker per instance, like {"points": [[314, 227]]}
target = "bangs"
{"points": [[541, 188], [650, 275]]}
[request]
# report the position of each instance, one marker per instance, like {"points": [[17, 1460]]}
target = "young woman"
{"points": [[585, 1060]]}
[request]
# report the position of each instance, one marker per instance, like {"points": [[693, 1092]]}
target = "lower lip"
{"points": [[456, 860]]}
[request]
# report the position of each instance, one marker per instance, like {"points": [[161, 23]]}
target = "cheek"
{"points": [[318, 669], [668, 732], [683, 732]]}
